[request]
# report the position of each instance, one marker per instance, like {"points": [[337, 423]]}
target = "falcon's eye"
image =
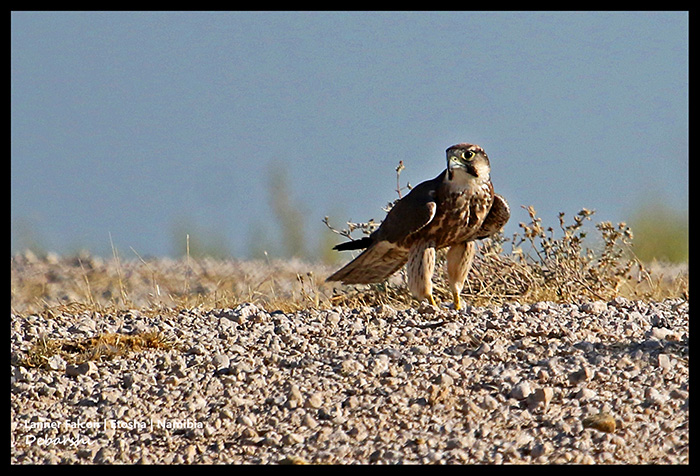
{"points": [[468, 154]]}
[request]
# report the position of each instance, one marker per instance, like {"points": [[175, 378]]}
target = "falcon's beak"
{"points": [[455, 162], [452, 163]]}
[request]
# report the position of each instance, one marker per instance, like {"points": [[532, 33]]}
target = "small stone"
{"points": [[292, 439], [489, 403], [595, 307], [270, 440], [601, 422], [665, 362], [110, 395], [375, 456], [541, 449], [333, 318], [249, 433], [245, 420], [220, 361], [420, 349], [197, 350], [103, 456], [619, 302], [359, 433], [581, 375], [392, 353], [484, 348], [679, 394], [585, 394], [350, 366], [541, 395], [521, 390], [315, 400], [295, 395], [539, 306], [654, 397], [351, 402], [445, 380], [81, 369], [87, 453], [190, 453], [56, 362], [453, 443], [128, 380], [427, 308], [309, 421], [385, 310], [244, 312], [659, 333]]}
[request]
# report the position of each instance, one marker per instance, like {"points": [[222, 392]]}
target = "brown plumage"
{"points": [[451, 210]]}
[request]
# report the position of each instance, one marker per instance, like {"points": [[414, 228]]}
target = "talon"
{"points": [[458, 301], [431, 300]]}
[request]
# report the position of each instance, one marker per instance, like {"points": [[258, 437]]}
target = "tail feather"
{"points": [[375, 264], [354, 244]]}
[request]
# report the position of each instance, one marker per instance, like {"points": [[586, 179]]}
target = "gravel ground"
{"points": [[592, 382]]}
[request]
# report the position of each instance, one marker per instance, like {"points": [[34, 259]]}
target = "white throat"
{"points": [[461, 179]]}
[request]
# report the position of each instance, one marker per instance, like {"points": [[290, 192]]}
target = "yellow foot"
{"points": [[431, 300], [457, 300]]}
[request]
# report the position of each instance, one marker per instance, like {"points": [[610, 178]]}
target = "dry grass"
{"points": [[102, 347], [55, 284], [544, 263]]}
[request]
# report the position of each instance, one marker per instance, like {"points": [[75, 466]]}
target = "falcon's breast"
{"points": [[460, 212]]}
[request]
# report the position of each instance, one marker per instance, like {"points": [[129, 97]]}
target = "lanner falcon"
{"points": [[451, 210]]}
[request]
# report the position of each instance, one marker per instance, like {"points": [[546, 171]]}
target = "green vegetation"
{"points": [[661, 233]]}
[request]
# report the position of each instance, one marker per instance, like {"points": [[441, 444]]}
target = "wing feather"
{"points": [[373, 265], [496, 218], [411, 213], [383, 257]]}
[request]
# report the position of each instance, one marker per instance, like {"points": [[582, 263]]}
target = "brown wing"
{"points": [[375, 264], [411, 213], [496, 219], [383, 257]]}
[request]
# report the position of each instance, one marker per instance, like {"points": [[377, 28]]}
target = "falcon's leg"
{"points": [[421, 264], [459, 262]]}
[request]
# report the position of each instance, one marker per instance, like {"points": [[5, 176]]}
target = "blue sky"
{"points": [[127, 123]]}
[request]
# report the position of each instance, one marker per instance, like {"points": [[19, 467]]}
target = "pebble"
{"points": [[594, 307], [601, 421], [581, 375], [56, 362], [521, 391], [85, 368], [315, 400], [654, 397], [665, 362], [220, 361], [547, 383], [585, 394], [541, 395]]}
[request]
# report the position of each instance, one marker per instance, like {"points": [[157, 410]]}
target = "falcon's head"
{"points": [[465, 161]]}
